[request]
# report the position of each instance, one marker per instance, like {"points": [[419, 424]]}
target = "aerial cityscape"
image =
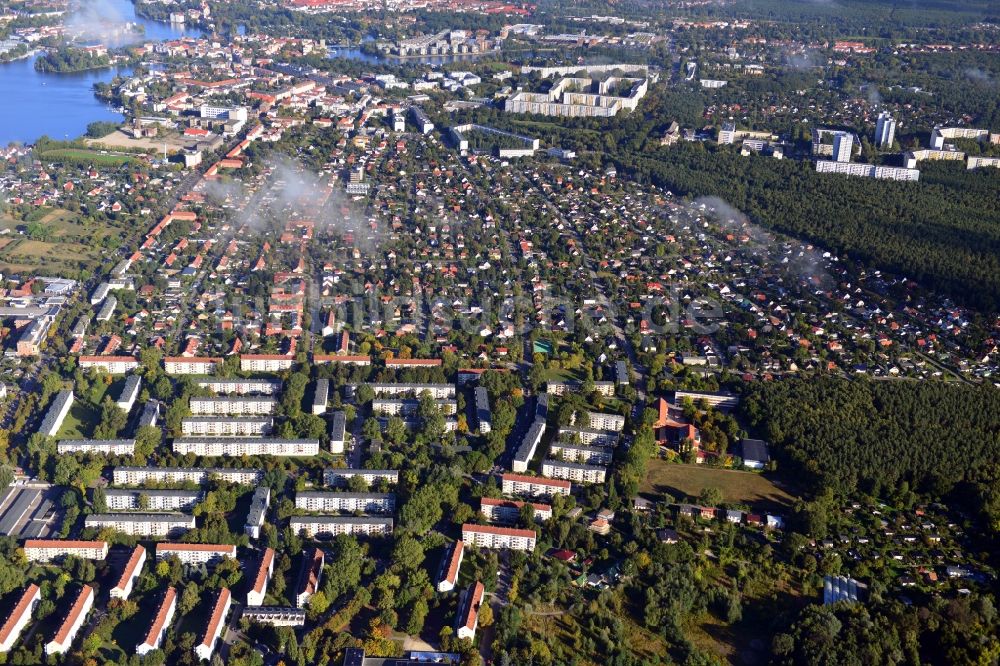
{"points": [[476, 332]]}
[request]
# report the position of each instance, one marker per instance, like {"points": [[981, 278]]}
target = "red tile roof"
{"points": [[265, 564], [74, 613], [197, 547], [161, 617], [451, 575], [218, 614], [472, 606], [23, 606], [130, 566], [536, 479], [63, 544], [493, 529]]}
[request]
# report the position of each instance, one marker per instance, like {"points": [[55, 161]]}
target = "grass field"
{"points": [[84, 156], [680, 481], [70, 247]]}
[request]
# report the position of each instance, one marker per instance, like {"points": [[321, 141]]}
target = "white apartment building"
{"points": [[250, 386], [245, 446], [78, 612], [275, 616], [529, 444], [491, 536], [245, 426], [589, 436], [309, 576], [239, 406], [338, 432], [410, 407], [320, 502], [19, 617], [109, 447], [131, 573], [508, 511], [48, 550], [436, 391], [258, 510], [557, 469], [468, 611], [578, 453], [182, 365], [265, 569], [160, 624], [127, 499], [129, 394], [606, 389], [56, 413], [136, 476], [142, 524], [195, 553], [113, 365], [885, 130], [533, 486], [321, 396], [600, 421], [216, 623], [266, 362], [450, 566], [334, 525], [337, 477]]}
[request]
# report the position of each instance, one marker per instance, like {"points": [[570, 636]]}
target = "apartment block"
{"points": [[250, 386], [338, 432], [113, 365], [131, 573], [276, 616], [600, 421], [136, 476], [509, 511], [216, 447], [337, 476], [247, 426], [589, 436], [533, 486], [56, 413], [19, 617], [129, 394], [578, 453], [266, 362], [78, 612], [334, 525], [606, 389], [436, 391], [483, 415], [265, 569], [491, 536], [450, 566], [468, 611], [107, 447], [48, 550], [309, 576], [195, 553], [410, 407], [579, 472], [182, 365], [142, 524], [161, 622], [216, 623], [127, 499], [321, 396], [258, 510], [319, 502], [256, 405], [529, 444]]}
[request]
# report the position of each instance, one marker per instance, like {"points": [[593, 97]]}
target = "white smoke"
{"points": [[100, 21], [980, 76]]}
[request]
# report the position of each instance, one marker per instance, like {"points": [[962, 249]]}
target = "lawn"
{"points": [[680, 481], [86, 157], [68, 247]]}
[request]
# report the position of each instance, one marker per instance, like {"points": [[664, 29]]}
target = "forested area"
{"points": [[873, 436], [944, 234]]}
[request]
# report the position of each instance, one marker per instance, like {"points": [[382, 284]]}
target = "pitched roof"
{"points": [[451, 573], [81, 599], [153, 634], [23, 606], [130, 566], [218, 613], [521, 478], [493, 529], [471, 611], [197, 547], [265, 563], [63, 544]]}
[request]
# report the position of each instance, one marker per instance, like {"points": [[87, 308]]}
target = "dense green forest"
{"points": [[66, 59], [873, 436], [941, 231]]}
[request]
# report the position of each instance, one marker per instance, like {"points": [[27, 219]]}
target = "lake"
{"points": [[61, 105]]}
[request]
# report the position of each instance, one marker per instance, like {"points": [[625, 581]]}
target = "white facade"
{"points": [[243, 406], [256, 594], [508, 511], [194, 553], [318, 502], [113, 365], [242, 386], [885, 130], [555, 469], [135, 476], [190, 366], [121, 499], [338, 476], [245, 446], [113, 447], [533, 486], [369, 526], [489, 536], [133, 569], [47, 550], [71, 625], [142, 524], [161, 622], [216, 623], [19, 617], [265, 363]]}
